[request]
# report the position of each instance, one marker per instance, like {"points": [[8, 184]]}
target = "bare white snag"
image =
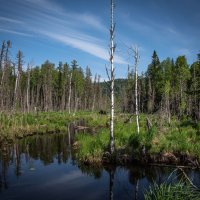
{"points": [[28, 89], [16, 88], [136, 58], [112, 50], [70, 91], [94, 95]]}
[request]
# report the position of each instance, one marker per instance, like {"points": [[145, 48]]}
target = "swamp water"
{"points": [[43, 167]]}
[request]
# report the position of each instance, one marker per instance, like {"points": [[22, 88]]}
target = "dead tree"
{"points": [[18, 79], [28, 89], [4, 83], [3, 47], [94, 92], [70, 91], [136, 58], [112, 78]]}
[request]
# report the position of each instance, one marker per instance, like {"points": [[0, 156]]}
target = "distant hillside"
{"points": [[119, 84]]}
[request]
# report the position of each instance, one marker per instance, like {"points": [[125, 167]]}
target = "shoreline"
{"points": [[164, 146]]}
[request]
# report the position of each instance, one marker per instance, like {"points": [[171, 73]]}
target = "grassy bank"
{"points": [[24, 124], [178, 143]]}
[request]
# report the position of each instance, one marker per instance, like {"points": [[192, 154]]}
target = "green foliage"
{"points": [[175, 191], [91, 148], [22, 124], [182, 139]]}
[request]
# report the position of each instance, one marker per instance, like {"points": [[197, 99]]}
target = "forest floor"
{"points": [[176, 144]]}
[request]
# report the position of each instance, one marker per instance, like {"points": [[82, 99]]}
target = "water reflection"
{"points": [[46, 161], [4, 160]]}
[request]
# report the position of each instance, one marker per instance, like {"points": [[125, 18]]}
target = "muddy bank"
{"points": [[160, 159]]}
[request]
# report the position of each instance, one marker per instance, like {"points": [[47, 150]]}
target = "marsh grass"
{"points": [[23, 124], [92, 147], [178, 138], [177, 191], [178, 186]]}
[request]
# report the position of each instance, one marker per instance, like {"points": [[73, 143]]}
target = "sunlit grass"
{"points": [[22, 124], [177, 139], [92, 147]]}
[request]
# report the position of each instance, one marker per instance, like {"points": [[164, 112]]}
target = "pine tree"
{"points": [[153, 76], [195, 88], [181, 79]]}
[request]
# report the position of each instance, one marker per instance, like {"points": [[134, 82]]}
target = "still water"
{"points": [[43, 167]]}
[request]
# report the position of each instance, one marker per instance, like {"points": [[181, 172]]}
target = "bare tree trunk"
{"points": [[2, 54], [136, 189], [4, 77], [136, 57], [94, 90], [76, 105], [111, 183], [28, 90], [70, 91], [150, 98], [15, 91], [6, 60], [112, 50]]}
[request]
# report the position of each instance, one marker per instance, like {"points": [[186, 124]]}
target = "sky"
{"points": [[64, 30]]}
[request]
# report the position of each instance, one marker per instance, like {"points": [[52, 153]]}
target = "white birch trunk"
{"points": [[28, 90], [3, 73], [136, 88], [16, 88], [112, 49], [70, 91], [94, 95]]}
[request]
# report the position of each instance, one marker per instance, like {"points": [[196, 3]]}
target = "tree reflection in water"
{"points": [[4, 161], [122, 182]]}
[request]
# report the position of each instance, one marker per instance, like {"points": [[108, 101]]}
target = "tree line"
{"points": [[46, 88], [168, 86]]}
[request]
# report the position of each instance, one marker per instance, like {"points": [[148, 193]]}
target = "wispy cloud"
{"points": [[15, 32], [83, 31], [6, 19], [90, 20], [53, 9], [72, 176], [83, 45], [44, 5]]}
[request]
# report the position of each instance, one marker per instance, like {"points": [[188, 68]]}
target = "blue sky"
{"points": [[63, 30]]}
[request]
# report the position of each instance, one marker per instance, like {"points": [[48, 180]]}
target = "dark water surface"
{"points": [[42, 167]]}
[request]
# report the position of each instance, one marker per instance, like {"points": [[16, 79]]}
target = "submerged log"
{"points": [[81, 127]]}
